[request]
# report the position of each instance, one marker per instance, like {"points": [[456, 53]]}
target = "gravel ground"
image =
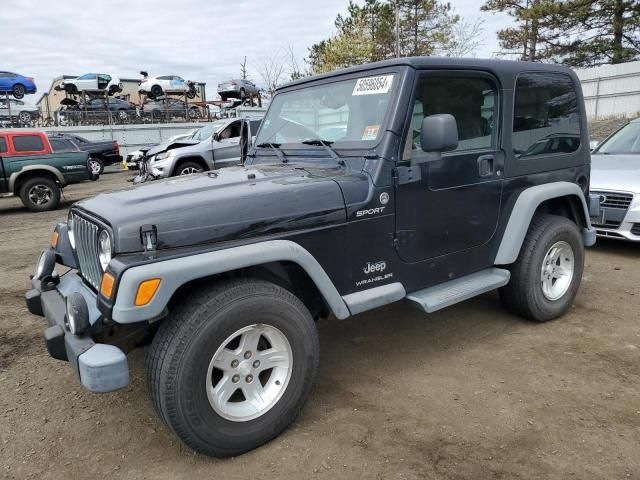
{"points": [[469, 392]]}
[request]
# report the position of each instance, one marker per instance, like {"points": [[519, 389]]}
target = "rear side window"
{"points": [[255, 126], [546, 118], [3, 145], [61, 145], [28, 143]]}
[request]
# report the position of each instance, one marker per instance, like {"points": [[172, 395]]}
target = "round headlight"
{"points": [[104, 249], [72, 238]]}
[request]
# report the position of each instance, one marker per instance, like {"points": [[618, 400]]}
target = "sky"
{"points": [[201, 40]]}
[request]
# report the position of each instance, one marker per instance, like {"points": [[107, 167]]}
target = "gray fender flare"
{"points": [[176, 272], [523, 211], [34, 168]]}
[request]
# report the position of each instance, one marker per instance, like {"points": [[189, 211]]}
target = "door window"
{"points": [[232, 131], [3, 145], [471, 101], [27, 143], [88, 76], [546, 119]]}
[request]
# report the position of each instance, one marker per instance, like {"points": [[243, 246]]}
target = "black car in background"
{"points": [[169, 108], [101, 153], [98, 109]]}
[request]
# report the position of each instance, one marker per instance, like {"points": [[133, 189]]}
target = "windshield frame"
{"points": [[597, 151], [350, 147]]}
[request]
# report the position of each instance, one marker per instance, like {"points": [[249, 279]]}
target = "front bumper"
{"points": [[100, 367]]}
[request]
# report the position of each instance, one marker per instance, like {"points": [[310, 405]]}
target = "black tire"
{"points": [[71, 89], [185, 167], [194, 113], [524, 295], [18, 90], [223, 97], [32, 194], [185, 344], [24, 117], [242, 94], [156, 91], [95, 165], [191, 93]]}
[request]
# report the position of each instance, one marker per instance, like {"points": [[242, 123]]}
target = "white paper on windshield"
{"points": [[373, 85]]}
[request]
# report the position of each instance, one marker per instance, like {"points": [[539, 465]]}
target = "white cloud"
{"points": [[198, 39]]}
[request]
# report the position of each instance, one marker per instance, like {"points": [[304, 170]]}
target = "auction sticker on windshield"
{"points": [[373, 85]]}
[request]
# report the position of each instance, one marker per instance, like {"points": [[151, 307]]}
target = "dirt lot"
{"points": [[469, 392]]}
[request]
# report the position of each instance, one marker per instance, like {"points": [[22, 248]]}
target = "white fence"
{"points": [[611, 90], [129, 137]]}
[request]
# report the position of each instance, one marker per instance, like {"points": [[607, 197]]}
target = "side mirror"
{"points": [[216, 137], [439, 133], [593, 144]]}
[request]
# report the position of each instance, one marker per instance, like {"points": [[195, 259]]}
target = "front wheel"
{"points": [[233, 366], [188, 168], [546, 276]]}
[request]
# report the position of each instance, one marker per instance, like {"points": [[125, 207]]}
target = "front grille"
{"points": [[635, 229], [607, 224], [614, 199], [86, 238]]}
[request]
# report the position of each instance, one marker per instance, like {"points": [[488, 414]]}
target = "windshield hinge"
{"points": [[149, 237], [404, 175]]}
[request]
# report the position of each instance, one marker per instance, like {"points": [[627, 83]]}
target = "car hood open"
{"points": [[231, 203]]}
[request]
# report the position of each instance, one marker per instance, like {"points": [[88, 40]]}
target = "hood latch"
{"points": [[149, 237]]}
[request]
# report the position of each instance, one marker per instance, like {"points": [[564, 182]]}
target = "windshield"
{"points": [[208, 130], [350, 113], [625, 140]]}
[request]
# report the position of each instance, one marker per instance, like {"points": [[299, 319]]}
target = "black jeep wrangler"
{"points": [[411, 179]]}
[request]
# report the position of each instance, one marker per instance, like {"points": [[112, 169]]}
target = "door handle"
{"points": [[485, 165]]}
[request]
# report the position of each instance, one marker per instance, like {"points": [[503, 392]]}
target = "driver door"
{"points": [[226, 149], [456, 203]]}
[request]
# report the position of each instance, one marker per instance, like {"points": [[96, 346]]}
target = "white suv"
{"points": [[155, 87], [92, 82]]}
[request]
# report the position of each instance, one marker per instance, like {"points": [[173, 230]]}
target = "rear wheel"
{"points": [[233, 366], [18, 90], [24, 117], [40, 194], [546, 276], [71, 89], [95, 166]]}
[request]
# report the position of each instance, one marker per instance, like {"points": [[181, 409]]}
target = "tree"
{"points": [[575, 32], [537, 25], [368, 33], [599, 31], [465, 38], [272, 71], [243, 68]]}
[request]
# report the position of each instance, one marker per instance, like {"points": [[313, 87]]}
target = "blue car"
{"points": [[16, 84]]}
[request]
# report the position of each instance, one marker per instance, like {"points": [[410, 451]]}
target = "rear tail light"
{"points": [[30, 79], [117, 147]]}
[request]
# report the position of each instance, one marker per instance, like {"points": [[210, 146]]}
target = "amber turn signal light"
{"points": [[54, 239], [106, 286], [146, 291]]}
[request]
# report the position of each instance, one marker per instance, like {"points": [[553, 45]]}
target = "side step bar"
{"points": [[455, 291]]}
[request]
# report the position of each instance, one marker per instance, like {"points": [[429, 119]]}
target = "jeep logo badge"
{"points": [[372, 267], [384, 198]]}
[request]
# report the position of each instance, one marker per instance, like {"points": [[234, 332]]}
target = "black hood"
{"points": [[231, 203]]}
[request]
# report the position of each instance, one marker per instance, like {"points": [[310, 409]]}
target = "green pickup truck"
{"points": [[30, 169]]}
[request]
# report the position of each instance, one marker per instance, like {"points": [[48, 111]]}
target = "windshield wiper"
{"points": [[327, 146], [276, 148]]}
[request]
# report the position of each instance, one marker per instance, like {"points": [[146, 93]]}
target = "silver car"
{"points": [[238, 88], [18, 109], [615, 178], [214, 146]]}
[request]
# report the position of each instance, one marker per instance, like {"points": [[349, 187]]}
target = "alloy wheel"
{"points": [[556, 272]]}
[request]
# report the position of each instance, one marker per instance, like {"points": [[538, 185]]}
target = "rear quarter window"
{"points": [[546, 117], [3, 145], [28, 143]]}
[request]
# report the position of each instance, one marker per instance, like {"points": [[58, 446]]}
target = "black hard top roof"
{"points": [[497, 67]]}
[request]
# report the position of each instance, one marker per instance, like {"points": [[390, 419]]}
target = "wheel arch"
{"points": [[191, 158], [559, 198], [18, 178], [281, 261]]}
